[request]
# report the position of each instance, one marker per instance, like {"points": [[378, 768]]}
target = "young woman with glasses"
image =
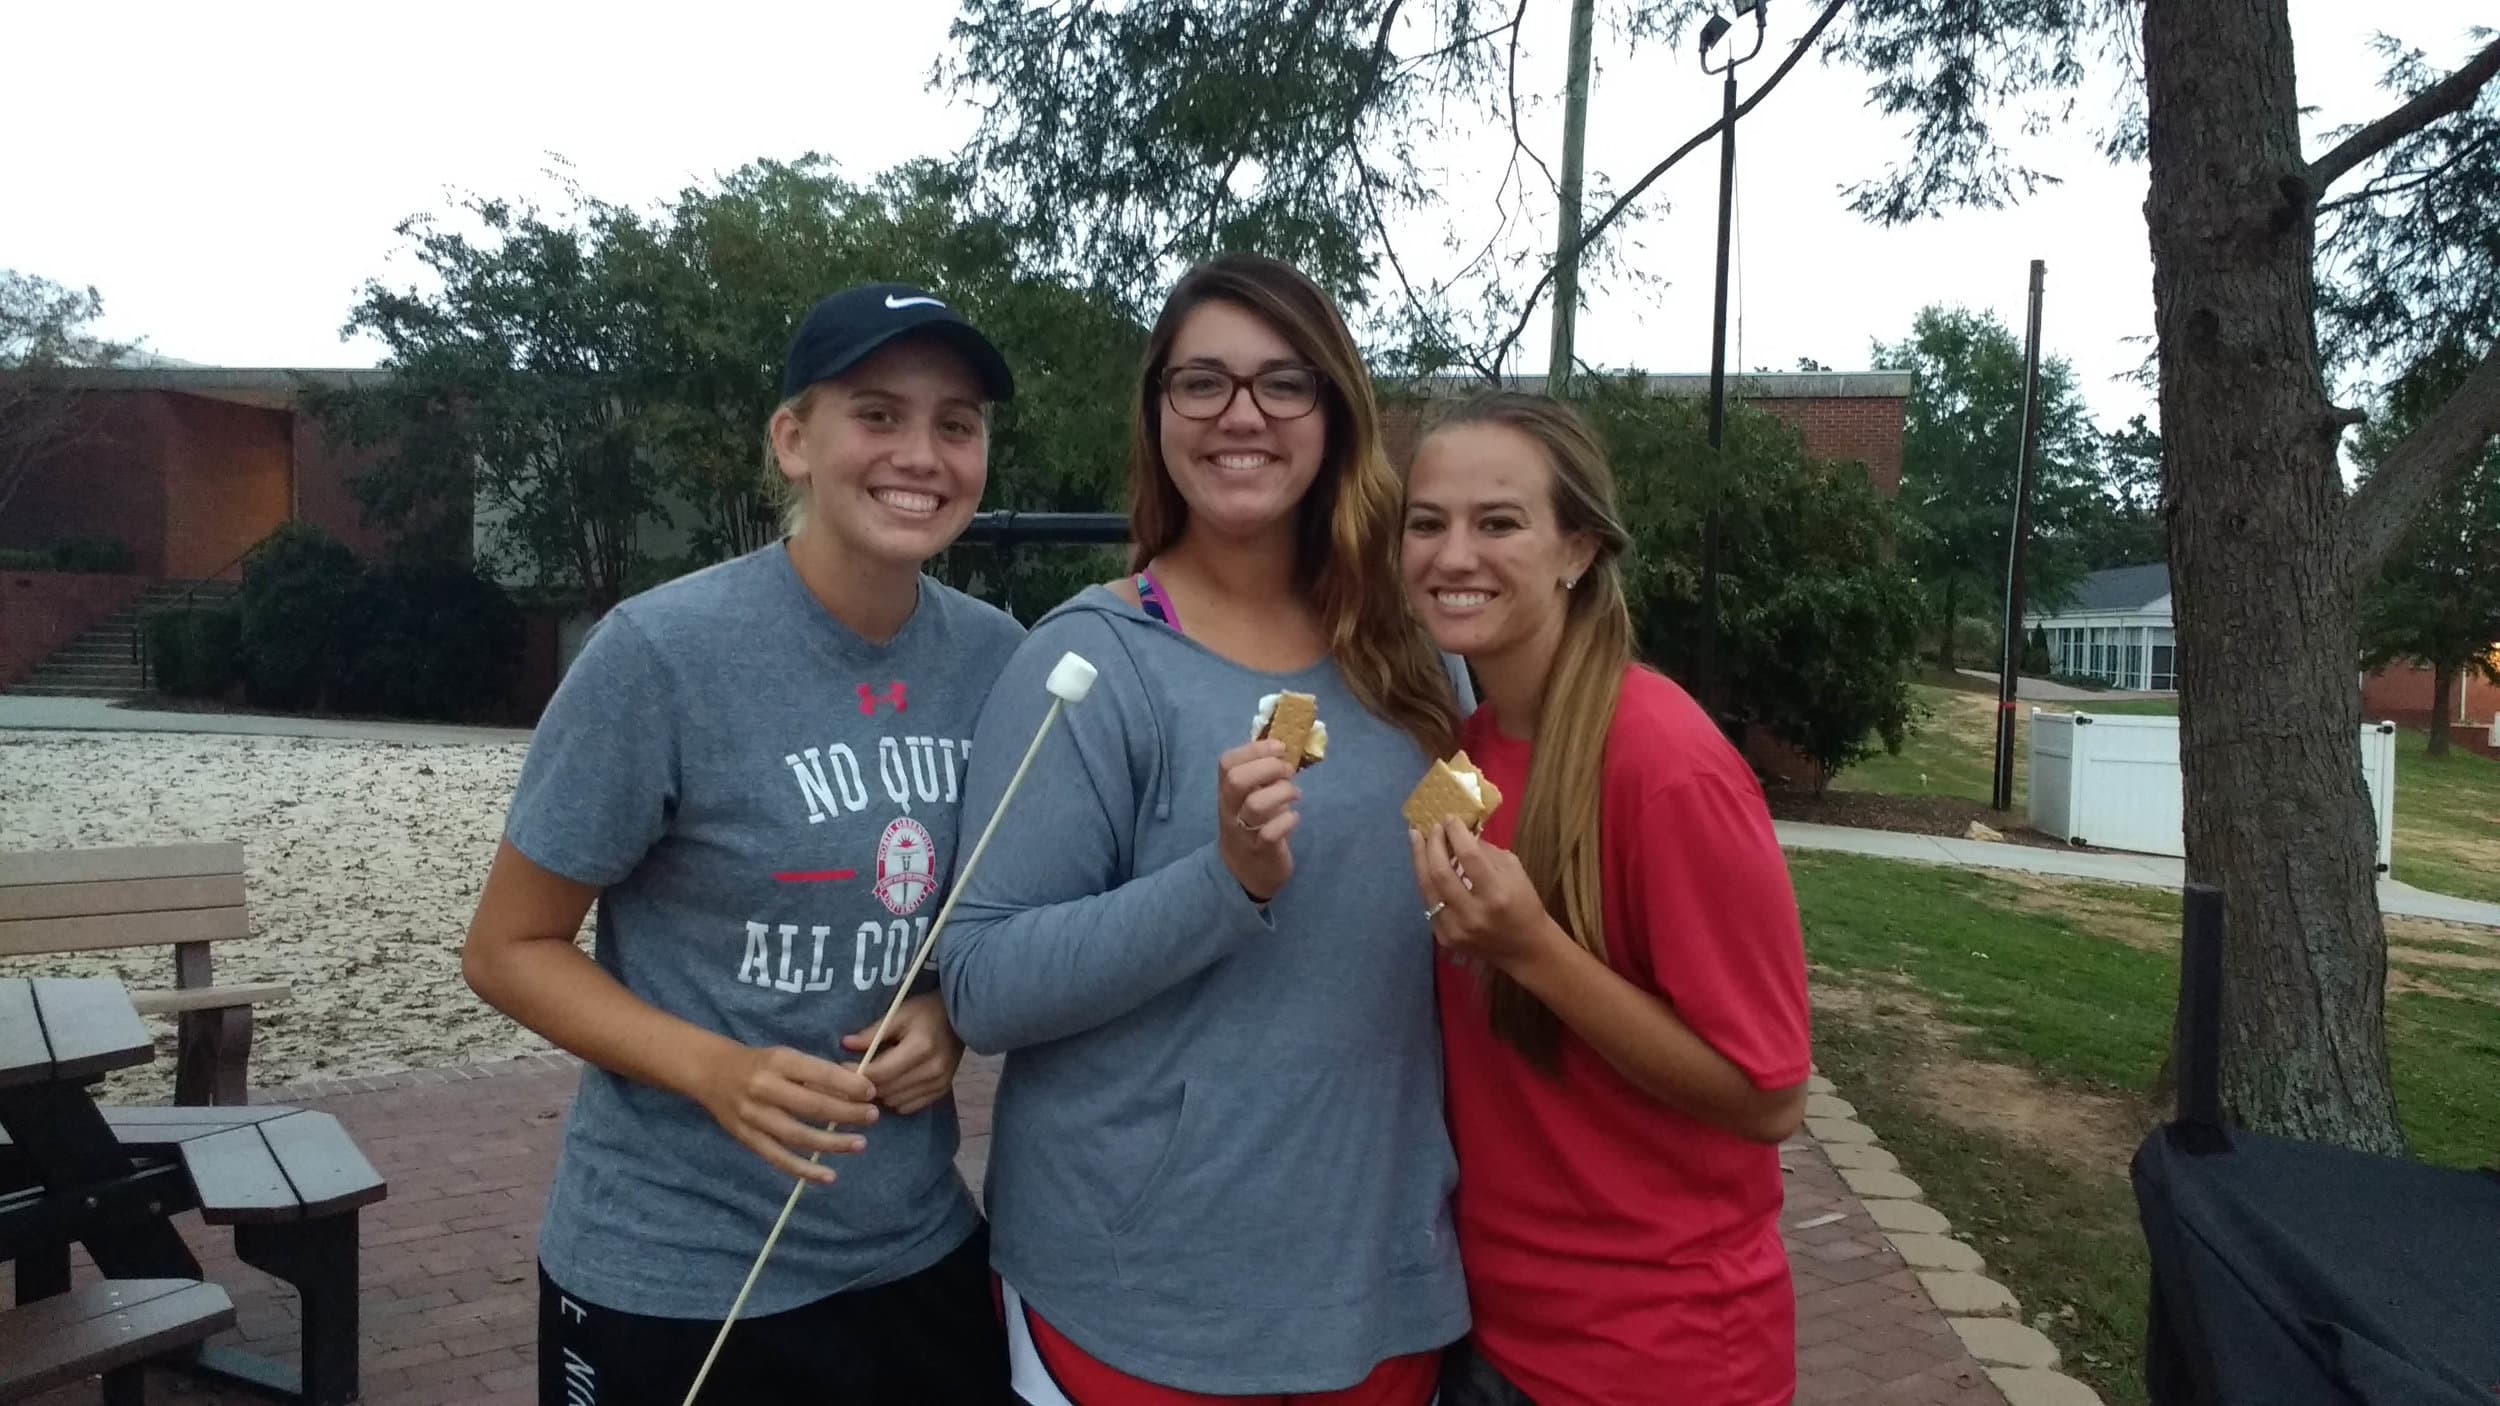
{"points": [[1219, 1169]]}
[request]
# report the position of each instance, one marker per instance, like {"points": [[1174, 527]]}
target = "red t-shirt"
{"points": [[1618, 1251]]}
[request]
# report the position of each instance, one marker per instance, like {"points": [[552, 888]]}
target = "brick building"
{"points": [[188, 467], [2404, 693]]}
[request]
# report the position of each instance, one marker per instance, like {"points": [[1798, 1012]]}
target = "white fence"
{"points": [[2112, 781]]}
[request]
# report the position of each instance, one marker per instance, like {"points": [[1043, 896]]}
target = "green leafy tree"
{"points": [[2437, 601], [44, 332], [599, 377], [2123, 524], [1180, 125], [514, 392], [1818, 615], [1960, 453]]}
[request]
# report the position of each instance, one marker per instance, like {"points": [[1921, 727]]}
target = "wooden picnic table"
{"points": [[289, 1181], [74, 1179]]}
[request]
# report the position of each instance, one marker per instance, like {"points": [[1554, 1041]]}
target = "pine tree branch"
{"points": [[2416, 469], [2450, 94], [2405, 182], [1588, 236]]}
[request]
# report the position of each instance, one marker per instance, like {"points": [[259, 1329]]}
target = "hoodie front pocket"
{"points": [[1152, 1189], [1288, 1189]]}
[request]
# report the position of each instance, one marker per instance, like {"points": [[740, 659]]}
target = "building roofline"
{"points": [[208, 380], [268, 387]]}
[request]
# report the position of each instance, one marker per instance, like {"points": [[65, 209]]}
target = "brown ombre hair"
{"points": [[1557, 840], [1348, 526]]}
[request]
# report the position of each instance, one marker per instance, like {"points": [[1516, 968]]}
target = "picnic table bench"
{"points": [[182, 896], [288, 1181], [111, 1328]]}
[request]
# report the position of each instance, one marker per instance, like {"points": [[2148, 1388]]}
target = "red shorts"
{"points": [[1049, 1370]]}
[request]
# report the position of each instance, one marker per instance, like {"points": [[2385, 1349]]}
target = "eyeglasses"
{"points": [[1205, 392]]}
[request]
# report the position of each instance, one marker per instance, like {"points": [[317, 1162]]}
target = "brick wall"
{"points": [[107, 481], [2402, 692], [1866, 429], [42, 610], [324, 495], [228, 476]]}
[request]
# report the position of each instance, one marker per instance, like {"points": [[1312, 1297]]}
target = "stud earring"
{"points": [[1571, 583]]}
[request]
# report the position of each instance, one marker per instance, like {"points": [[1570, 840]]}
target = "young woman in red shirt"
{"points": [[1622, 994]]}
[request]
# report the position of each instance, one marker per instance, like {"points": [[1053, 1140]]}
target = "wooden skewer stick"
{"points": [[1070, 680]]}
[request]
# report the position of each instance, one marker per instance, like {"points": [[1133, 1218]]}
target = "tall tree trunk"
{"points": [[2443, 694], [1952, 624], [2276, 813]]}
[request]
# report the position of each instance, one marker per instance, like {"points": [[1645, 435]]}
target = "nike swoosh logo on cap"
{"points": [[894, 302]]}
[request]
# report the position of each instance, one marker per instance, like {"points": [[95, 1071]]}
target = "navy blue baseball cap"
{"points": [[843, 329]]}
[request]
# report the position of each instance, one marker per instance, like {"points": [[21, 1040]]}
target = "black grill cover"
{"points": [[2295, 1274]]}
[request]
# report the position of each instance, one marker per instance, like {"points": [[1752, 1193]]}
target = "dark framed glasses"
{"points": [[1204, 392]]}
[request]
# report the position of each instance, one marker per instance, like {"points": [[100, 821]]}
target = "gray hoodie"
{"points": [[1219, 1160]]}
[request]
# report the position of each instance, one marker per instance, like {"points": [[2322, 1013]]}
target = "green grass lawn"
{"points": [[1947, 965], [2447, 809], [2447, 819]]}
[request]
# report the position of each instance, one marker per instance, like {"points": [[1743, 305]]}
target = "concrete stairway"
{"points": [[104, 662]]}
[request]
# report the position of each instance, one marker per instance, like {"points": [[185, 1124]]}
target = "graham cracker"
{"points": [[1291, 725], [1439, 796]]}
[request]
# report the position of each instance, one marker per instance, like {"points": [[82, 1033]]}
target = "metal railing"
{"points": [[139, 636], [1006, 527]]}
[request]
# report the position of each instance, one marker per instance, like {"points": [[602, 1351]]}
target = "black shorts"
{"points": [[934, 1337]]}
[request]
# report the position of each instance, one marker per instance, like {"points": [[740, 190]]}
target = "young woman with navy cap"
{"points": [[754, 771]]}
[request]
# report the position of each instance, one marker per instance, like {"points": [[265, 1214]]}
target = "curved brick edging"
{"points": [[1987, 1317]]}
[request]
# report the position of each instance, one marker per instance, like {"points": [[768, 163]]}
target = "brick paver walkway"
{"points": [[450, 1307]]}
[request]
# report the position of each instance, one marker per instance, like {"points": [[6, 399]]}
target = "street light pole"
{"points": [[1727, 205], [2010, 651], [1706, 662]]}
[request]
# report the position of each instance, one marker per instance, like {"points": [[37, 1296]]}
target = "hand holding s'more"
{"points": [[1256, 791]]}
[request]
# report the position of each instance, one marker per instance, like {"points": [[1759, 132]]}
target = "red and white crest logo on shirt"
{"points": [[906, 866]]}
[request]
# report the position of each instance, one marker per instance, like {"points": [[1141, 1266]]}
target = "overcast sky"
{"points": [[228, 175]]}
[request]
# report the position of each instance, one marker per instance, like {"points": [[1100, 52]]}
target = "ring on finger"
{"points": [[1243, 821], [1434, 911]]}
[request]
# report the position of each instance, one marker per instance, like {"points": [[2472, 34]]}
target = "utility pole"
{"points": [[2010, 657], [1567, 241], [1706, 652]]}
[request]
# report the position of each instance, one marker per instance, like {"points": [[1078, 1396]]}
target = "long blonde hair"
{"points": [[1557, 839], [1349, 525]]}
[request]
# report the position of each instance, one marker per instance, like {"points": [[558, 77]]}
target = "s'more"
{"points": [[1292, 719], [1453, 790]]}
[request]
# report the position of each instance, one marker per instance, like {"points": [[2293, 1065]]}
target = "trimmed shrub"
{"points": [[103, 555], [301, 592], [24, 559], [433, 641], [2036, 661], [196, 652]]}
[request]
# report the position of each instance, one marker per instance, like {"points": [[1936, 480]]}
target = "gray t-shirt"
{"points": [[769, 805]]}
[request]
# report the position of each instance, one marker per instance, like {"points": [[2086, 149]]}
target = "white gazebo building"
{"points": [[2116, 630]]}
